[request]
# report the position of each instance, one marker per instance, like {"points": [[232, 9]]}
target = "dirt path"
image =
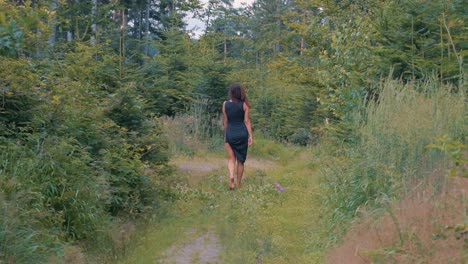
{"points": [[199, 248], [203, 248], [200, 165]]}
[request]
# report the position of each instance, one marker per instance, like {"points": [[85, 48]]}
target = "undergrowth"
{"points": [[390, 152], [76, 160]]}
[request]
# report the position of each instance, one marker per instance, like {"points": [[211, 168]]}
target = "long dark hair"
{"points": [[237, 93]]}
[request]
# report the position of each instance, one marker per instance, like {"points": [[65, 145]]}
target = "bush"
{"points": [[19, 102], [301, 137]]}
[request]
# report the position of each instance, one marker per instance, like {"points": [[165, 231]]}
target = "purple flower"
{"points": [[279, 187]]}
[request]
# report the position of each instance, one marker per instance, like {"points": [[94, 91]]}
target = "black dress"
{"points": [[236, 131]]}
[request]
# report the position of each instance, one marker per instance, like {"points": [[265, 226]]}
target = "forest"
{"points": [[99, 98]]}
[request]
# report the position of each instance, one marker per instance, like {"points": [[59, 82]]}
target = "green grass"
{"points": [[269, 149]]}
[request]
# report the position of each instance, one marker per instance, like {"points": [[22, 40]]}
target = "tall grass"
{"points": [[196, 131], [199, 132], [24, 233], [390, 153]]}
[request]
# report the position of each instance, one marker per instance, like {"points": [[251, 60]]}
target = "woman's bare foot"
{"points": [[231, 184]]}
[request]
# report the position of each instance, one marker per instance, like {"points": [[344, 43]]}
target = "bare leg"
{"points": [[231, 164], [240, 172]]}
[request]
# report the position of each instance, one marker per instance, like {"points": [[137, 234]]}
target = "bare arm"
{"points": [[225, 120], [247, 123]]}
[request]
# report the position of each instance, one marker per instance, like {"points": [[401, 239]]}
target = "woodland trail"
{"points": [[253, 224], [204, 248]]}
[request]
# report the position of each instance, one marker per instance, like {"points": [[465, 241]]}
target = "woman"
{"points": [[237, 131]]}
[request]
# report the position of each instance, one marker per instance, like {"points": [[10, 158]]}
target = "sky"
{"points": [[238, 3], [198, 26]]}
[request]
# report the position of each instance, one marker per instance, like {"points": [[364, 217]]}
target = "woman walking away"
{"points": [[237, 131]]}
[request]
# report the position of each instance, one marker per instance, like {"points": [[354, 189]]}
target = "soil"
{"points": [[203, 248], [421, 229], [198, 167]]}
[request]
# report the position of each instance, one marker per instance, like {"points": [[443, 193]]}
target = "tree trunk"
{"points": [[256, 59], [225, 48], [278, 26], [122, 44], [139, 17], [147, 27], [93, 26], [302, 46], [53, 26]]}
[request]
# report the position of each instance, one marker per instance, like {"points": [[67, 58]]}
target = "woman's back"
{"points": [[235, 112]]}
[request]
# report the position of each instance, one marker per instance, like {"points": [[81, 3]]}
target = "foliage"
{"points": [[211, 84], [18, 100], [456, 152], [20, 27], [127, 110], [169, 88], [391, 151], [27, 229], [77, 147], [429, 39], [11, 39]]}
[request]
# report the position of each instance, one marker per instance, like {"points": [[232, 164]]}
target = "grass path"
{"points": [[253, 224]]}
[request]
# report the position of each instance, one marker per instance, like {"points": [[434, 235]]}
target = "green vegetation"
{"points": [[391, 151], [97, 98]]}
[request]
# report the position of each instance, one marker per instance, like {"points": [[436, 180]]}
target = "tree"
{"points": [[417, 39]]}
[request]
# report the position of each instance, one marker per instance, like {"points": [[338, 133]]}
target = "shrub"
{"points": [[301, 137]]}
